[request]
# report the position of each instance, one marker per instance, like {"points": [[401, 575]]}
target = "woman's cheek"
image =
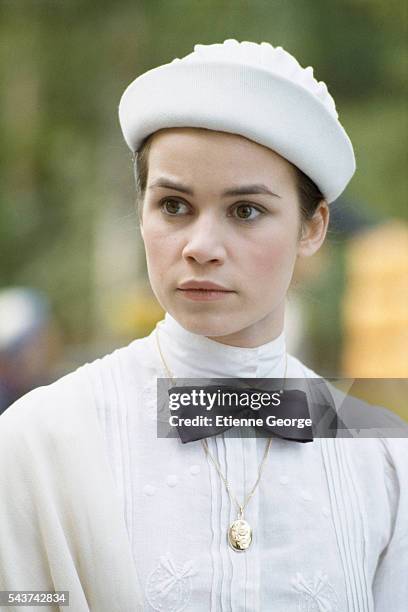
{"points": [[159, 254], [271, 258], [157, 242]]}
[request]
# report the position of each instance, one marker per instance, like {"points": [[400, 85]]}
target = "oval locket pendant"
{"points": [[240, 535]]}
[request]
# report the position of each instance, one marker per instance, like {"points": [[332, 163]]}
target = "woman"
{"points": [[238, 154]]}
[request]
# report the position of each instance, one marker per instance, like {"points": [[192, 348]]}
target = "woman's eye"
{"points": [[171, 207], [245, 213]]}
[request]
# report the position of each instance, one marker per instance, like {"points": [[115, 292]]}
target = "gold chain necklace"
{"points": [[239, 532]]}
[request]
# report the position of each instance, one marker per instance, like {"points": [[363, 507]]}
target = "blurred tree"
{"points": [[64, 66]]}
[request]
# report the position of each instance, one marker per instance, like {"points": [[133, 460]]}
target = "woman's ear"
{"points": [[314, 231]]}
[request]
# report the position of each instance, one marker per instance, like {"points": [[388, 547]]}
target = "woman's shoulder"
{"points": [[371, 432], [74, 397], [297, 369], [49, 408]]}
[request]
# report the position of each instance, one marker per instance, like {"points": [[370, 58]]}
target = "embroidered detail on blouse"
{"points": [[316, 595], [168, 587], [172, 480], [149, 490]]}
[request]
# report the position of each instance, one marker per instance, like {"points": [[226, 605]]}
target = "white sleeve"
{"points": [[390, 587], [61, 523]]}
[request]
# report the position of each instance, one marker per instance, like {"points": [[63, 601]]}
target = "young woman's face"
{"points": [[223, 209]]}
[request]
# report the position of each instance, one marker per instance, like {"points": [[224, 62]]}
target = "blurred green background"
{"points": [[67, 220]]}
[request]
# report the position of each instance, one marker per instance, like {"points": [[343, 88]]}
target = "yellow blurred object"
{"points": [[136, 313], [388, 393], [375, 303]]}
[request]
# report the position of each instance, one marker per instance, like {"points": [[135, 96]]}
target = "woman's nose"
{"points": [[205, 241]]}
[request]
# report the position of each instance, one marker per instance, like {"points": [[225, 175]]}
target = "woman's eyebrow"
{"points": [[249, 190], [233, 191], [170, 184]]}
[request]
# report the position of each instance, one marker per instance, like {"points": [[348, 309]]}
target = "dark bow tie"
{"points": [[293, 407]]}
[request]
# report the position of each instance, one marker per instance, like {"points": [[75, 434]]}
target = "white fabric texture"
{"points": [[254, 90], [92, 502]]}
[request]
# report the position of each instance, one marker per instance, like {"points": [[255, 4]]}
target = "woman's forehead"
{"points": [[201, 154]]}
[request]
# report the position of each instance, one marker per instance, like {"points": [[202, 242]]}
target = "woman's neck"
{"points": [[196, 356], [253, 336]]}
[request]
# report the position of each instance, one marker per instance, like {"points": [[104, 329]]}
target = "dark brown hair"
{"points": [[308, 192]]}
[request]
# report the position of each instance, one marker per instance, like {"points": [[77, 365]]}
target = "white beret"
{"points": [[254, 90]]}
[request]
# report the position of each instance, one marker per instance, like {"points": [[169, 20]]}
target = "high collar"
{"points": [[194, 356]]}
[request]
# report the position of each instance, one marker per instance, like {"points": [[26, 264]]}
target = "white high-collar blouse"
{"points": [[326, 516], [93, 502]]}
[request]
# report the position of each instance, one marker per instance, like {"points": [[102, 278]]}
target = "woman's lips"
{"points": [[203, 290], [204, 295]]}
